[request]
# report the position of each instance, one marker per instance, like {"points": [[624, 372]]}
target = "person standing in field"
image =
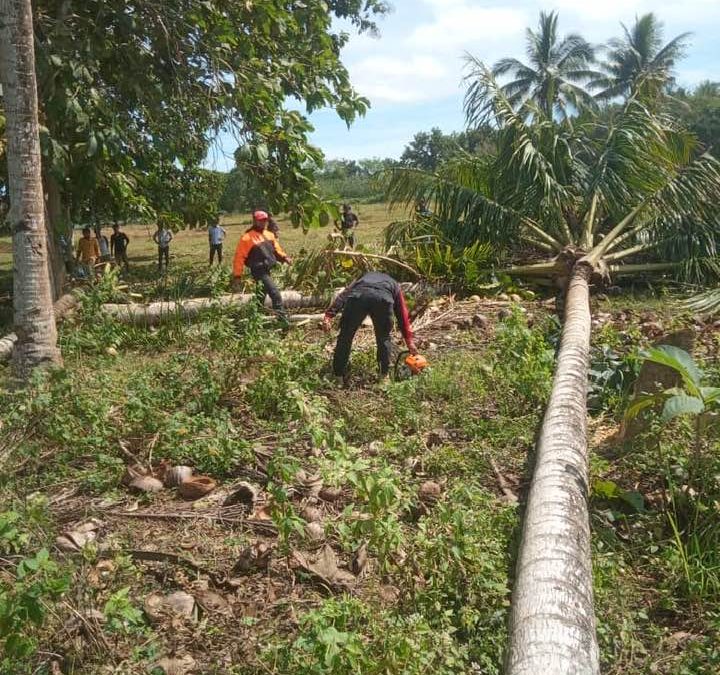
{"points": [[379, 296], [348, 222], [260, 251], [162, 237], [103, 244], [216, 236], [118, 246], [87, 252]]}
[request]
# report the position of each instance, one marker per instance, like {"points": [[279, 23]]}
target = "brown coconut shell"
{"points": [[176, 475], [196, 487]]}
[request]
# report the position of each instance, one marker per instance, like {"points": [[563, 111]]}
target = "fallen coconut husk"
{"points": [[176, 475], [75, 539], [196, 487], [324, 568], [146, 484], [178, 604], [243, 493]]}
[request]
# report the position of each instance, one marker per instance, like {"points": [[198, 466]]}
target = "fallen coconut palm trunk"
{"points": [[63, 305], [157, 312], [552, 624]]}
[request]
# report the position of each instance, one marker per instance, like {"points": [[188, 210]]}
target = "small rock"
{"points": [[503, 296], [146, 484], [515, 297], [474, 298], [111, 351]]}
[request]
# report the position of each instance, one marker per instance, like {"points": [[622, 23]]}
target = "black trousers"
{"points": [[267, 286], [216, 248], [380, 310], [163, 252]]}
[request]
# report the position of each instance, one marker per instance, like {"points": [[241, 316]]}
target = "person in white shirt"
{"points": [[162, 237], [216, 235]]}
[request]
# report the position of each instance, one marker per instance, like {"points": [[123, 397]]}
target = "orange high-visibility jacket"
{"points": [[260, 251]]}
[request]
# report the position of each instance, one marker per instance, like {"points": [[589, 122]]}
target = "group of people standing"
{"points": [[93, 249]]}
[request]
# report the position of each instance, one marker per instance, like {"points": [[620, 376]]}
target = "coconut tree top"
{"points": [[626, 191], [639, 56], [552, 78]]}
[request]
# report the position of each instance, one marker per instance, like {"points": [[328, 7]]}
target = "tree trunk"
{"points": [[158, 312], [56, 225], [32, 296], [552, 624], [62, 307]]}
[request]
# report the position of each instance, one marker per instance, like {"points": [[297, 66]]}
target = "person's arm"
{"points": [[355, 221], [210, 235], [155, 237], [403, 319], [171, 236], [96, 249], [112, 244], [241, 253], [127, 239]]}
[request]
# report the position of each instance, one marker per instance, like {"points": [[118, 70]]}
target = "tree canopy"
{"points": [[132, 93]]}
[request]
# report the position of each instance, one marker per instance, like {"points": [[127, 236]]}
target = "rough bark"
{"points": [[552, 624], [157, 312], [34, 320], [56, 224], [62, 308]]}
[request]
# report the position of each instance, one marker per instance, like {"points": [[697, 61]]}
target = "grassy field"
{"points": [[382, 534]]}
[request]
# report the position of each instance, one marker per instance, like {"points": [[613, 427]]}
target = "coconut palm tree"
{"points": [[32, 296], [553, 79], [639, 56], [607, 195]]}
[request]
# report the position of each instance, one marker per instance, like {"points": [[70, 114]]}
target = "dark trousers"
{"points": [[349, 235], [380, 310], [216, 248], [163, 252], [267, 286]]}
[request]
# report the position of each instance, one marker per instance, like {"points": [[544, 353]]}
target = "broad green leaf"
{"points": [[640, 403], [681, 362], [710, 394], [606, 489], [681, 404]]}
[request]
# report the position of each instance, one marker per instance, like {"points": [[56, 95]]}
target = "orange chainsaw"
{"points": [[407, 365]]}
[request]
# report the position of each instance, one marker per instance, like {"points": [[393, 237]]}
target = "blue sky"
{"points": [[412, 72]]}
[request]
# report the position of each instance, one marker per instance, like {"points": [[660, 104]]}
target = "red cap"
{"points": [[260, 215]]}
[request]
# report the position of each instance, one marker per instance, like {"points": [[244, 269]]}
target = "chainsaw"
{"points": [[407, 365]]}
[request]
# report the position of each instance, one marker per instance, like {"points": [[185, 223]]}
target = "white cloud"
{"points": [[418, 57], [399, 80]]}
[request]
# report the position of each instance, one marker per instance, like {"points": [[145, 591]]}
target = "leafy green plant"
{"points": [[611, 374], [23, 603], [121, 614], [692, 398]]}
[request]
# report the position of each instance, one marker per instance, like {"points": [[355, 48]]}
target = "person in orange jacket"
{"points": [[259, 250]]}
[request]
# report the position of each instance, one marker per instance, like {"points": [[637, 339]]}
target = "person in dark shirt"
{"points": [[348, 222], [118, 246], [378, 295]]}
